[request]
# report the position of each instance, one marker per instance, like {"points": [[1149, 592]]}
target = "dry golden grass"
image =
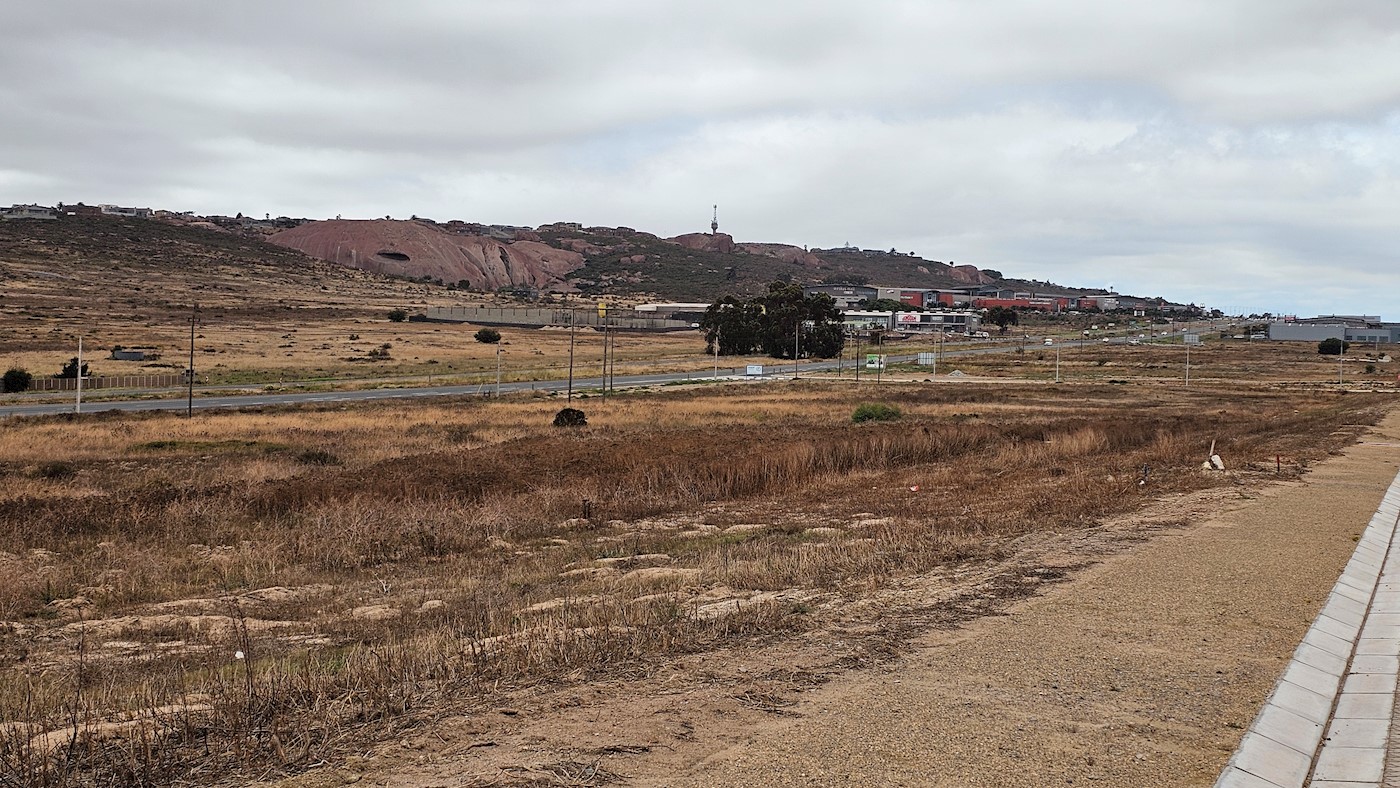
{"points": [[376, 563], [1226, 361]]}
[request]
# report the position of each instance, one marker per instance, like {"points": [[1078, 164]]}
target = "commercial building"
{"points": [[845, 296], [1362, 329]]}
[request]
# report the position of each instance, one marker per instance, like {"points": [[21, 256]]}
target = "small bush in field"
{"points": [[318, 457], [487, 336], [875, 411], [17, 380], [57, 470], [570, 417]]}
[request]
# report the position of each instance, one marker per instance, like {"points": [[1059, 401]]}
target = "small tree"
{"points": [[1332, 347], [398, 315], [70, 369], [17, 380], [487, 336]]}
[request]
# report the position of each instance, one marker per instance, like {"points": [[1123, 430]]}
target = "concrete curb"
{"points": [[1342, 680]]}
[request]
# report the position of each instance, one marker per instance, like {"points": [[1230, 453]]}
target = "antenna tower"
{"points": [[714, 221]]}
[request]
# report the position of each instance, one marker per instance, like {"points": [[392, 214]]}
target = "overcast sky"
{"points": [[1240, 153]]}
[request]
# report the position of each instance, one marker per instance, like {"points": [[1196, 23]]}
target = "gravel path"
{"points": [[1143, 671]]}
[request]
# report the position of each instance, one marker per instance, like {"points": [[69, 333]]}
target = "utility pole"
{"points": [[796, 346], [78, 406], [498, 370], [569, 398], [1187, 339], [716, 353], [604, 370], [1057, 364], [189, 402], [1341, 348]]}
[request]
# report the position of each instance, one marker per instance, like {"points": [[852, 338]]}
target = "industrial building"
{"points": [[1361, 329]]}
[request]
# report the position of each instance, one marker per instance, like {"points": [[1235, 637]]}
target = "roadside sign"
{"points": [[754, 371], [874, 361], [928, 359], [1191, 339]]}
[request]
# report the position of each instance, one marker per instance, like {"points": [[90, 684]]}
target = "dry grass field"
{"points": [[1218, 361], [246, 595]]}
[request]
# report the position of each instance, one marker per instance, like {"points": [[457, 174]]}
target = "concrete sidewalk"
{"points": [[1330, 720]]}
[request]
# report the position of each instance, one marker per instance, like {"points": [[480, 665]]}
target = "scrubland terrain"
{"points": [[266, 314], [247, 595], [1218, 361]]}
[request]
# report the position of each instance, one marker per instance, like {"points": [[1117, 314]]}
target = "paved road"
{"points": [[772, 371]]}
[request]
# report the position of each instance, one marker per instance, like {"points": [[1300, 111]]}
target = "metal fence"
{"points": [[109, 382]]}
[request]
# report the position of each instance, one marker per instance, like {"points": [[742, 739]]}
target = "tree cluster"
{"points": [[1003, 316], [770, 324]]}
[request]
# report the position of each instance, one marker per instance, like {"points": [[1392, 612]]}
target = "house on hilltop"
{"points": [[117, 210], [29, 212]]}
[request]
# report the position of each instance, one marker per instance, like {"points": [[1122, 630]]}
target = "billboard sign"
{"points": [[874, 361], [754, 371]]}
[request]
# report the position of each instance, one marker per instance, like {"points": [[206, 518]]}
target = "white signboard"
{"points": [[1191, 339], [754, 370], [927, 359]]}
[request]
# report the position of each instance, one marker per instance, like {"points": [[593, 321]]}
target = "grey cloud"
{"points": [[1225, 142]]}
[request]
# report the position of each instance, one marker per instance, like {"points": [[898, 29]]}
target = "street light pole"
{"points": [[1187, 339], [796, 347], [189, 401], [569, 398], [78, 406]]}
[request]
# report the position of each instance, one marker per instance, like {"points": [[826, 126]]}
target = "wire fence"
{"points": [[535, 317]]}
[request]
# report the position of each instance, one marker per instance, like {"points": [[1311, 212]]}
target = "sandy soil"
{"points": [[1132, 654]]}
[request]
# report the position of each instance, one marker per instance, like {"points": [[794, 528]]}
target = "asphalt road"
{"points": [[771, 372]]}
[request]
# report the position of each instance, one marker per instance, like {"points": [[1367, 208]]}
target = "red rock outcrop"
{"points": [[706, 242], [968, 274], [785, 252], [415, 250]]}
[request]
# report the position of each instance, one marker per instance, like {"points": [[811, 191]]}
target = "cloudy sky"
{"points": [[1240, 153]]}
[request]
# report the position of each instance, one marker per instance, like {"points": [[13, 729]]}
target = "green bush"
{"points": [[398, 315], [487, 336], [17, 380], [70, 370], [1332, 347], [875, 411]]}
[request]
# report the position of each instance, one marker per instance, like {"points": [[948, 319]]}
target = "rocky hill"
{"points": [[562, 257], [418, 250], [602, 260]]}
